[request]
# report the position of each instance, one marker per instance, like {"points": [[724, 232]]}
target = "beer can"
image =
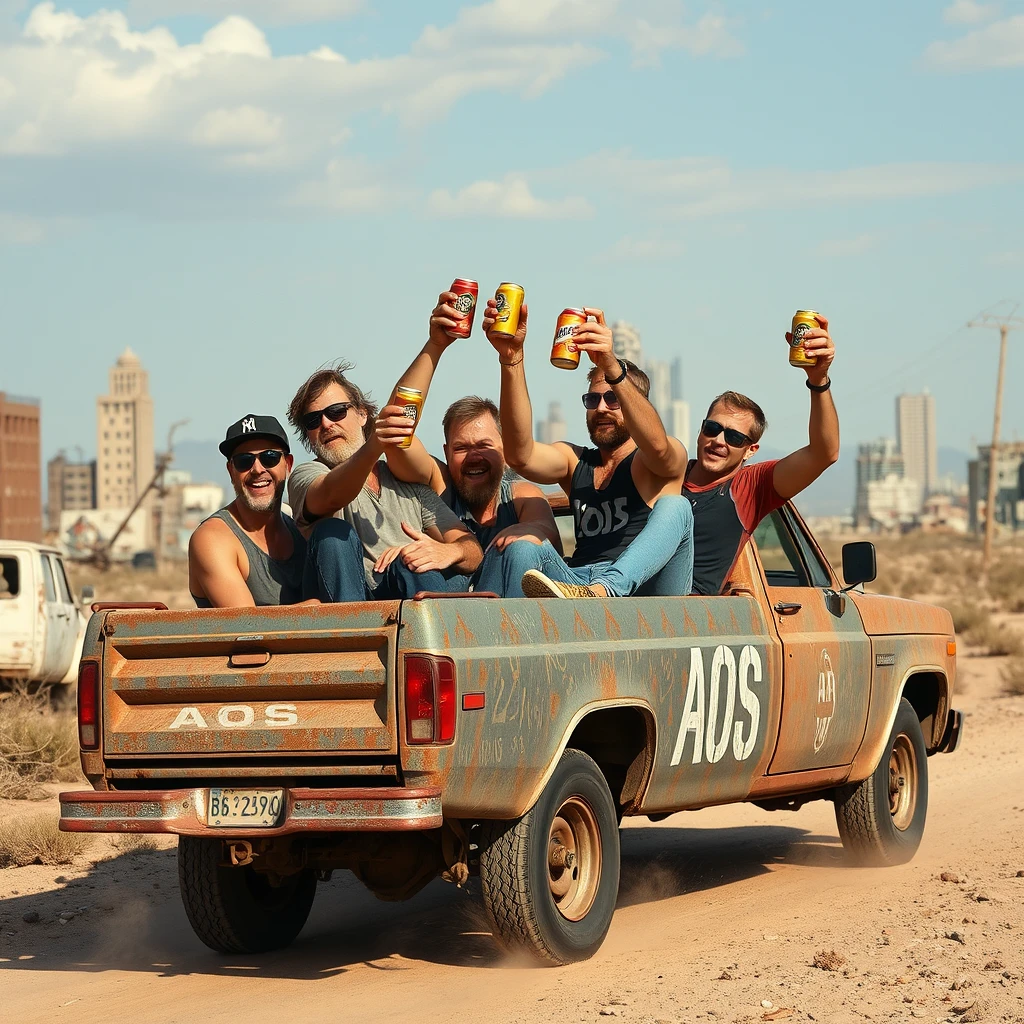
{"points": [[804, 320], [509, 298], [563, 352], [466, 292], [412, 400]]}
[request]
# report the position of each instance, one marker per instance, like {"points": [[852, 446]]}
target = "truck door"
{"points": [[826, 654], [67, 620], [53, 615]]}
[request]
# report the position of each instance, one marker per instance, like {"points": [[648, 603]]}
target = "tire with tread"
{"points": [[864, 811], [514, 868], [236, 909]]}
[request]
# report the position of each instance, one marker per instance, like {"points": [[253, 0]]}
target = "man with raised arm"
{"points": [[730, 498], [349, 499], [249, 553], [633, 529]]}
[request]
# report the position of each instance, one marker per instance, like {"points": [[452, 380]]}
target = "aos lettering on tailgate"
{"points": [[237, 716]]}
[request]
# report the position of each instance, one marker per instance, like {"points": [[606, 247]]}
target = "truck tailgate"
{"points": [[313, 680]]}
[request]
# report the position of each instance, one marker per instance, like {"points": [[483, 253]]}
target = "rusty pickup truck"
{"points": [[464, 735]]}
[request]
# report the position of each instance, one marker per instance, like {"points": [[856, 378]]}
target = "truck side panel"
{"points": [[704, 671]]}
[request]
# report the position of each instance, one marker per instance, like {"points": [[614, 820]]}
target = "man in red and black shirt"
{"points": [[729, 498]]}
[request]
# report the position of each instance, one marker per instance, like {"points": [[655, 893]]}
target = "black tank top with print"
{"points": [[606, 520]]}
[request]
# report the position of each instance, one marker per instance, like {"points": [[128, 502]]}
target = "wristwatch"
{"points": [[814, 387], [621, 377]]}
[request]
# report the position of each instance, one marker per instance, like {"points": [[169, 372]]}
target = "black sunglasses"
{"points": [[733, 438], [337, 411], [244, 461], [592, 399]]}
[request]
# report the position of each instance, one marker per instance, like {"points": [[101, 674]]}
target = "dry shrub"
{"points": [[38, 744], [996, 641], [1013, 677], [967, 617], [131, 844], [37, 840], [916, 583]]}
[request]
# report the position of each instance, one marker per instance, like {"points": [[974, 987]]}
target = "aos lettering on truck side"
{"points": [[710, 712]]}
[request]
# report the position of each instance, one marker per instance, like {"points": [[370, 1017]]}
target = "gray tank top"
{"points": [[506, 513], [270, 581]]}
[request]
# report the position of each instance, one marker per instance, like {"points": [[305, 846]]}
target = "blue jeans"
{"points": [[659, 561], [334, 570]]}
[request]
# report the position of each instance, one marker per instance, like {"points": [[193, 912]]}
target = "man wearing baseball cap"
{"points": [[249, 553]]}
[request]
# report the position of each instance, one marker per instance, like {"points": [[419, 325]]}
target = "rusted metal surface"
{"points": [[183, 812], [896, 616]]}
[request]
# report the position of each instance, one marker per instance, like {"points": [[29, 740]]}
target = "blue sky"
{"points": [[242, 190]]}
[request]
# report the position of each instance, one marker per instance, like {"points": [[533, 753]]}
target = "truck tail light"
{"points": [[89, 705], [429, 698]]}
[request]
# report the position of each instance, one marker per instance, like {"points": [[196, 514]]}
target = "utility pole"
{"points": [[1005, 324]]}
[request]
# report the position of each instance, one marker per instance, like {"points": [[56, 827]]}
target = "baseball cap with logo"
{"points": [[253, 426]]}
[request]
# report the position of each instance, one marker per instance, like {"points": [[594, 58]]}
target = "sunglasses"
{"points": [[592, 399], [336, 412], [244, 461], [733, 438]]}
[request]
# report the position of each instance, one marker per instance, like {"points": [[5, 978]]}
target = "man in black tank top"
{"points": [[250, 553], [633, 528]]}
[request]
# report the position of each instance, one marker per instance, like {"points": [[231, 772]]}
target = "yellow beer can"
{"points": [[509, 298], [412, 399], [804, 320]]}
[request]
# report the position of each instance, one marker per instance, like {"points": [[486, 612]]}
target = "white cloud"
{"points": [[18, 230], [273, 12], [350, 186], [510, 198], [688, 187], [999, 45], [710, 36], [243, 127], [968, 12]]}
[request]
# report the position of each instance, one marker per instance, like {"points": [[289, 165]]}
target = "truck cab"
{"points": [[41, 626]]}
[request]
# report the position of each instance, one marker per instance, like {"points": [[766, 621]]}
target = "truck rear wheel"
{"points": [[237, 909], [881, 820], [550, 878]]}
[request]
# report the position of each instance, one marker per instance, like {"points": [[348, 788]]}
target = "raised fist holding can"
{"points": [[508, 346], [816, 348]]}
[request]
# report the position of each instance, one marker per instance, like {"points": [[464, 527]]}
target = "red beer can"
{"points": [[466, 292]]}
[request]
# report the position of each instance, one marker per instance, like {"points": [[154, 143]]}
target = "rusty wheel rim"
{"points": [[574, 858], [902, 782]]}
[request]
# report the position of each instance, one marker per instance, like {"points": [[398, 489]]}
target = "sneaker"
{"points": [[536, 584]]}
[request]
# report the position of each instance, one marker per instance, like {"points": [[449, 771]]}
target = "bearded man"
{"points": [[349, 499], [249, 553]]}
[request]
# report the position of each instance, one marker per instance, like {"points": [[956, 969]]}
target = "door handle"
{"points": [[788, 607]]}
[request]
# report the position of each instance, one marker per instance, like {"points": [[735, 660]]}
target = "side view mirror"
{"points": [[859, 565], [88, 593]]}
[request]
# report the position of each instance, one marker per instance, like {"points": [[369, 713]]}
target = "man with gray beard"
{"points": [[250, 553], [410, 540]]}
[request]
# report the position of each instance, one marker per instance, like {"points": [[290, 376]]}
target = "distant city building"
{"points": [[183, 506], [678, 422], [21, 469], [892, 502], [915, 428], [554, 427], [125, 458], [83, 532], [677, 379], [1009, 503], [626, 342], [661, 388], [70, 485], [881, 462]]}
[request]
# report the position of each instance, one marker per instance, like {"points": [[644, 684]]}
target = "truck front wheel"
{"points": [[551, 878], [881, 819], [237, 909]]}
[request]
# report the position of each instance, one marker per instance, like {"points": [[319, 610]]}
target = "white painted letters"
{"points": [[281, 714], [238, 716], [712, 716]]}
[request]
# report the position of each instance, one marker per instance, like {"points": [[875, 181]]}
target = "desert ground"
{"points": [[730, 914]]}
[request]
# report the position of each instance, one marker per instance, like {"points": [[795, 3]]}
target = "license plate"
{"points": [[259, 808]]}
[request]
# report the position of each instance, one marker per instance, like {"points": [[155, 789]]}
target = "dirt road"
{"points": [[720, 917]]}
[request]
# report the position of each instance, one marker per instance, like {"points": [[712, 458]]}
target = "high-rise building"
{"points": [[626, 342], [881, 461], [70, 486], [1009, 503], [125, 459], [915, 428], [21, 469], [677, 378], [661, 388], [554, 427], [678, 423]]}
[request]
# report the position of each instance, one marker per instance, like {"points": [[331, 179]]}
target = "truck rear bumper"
{"points": [[183, 812]]}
